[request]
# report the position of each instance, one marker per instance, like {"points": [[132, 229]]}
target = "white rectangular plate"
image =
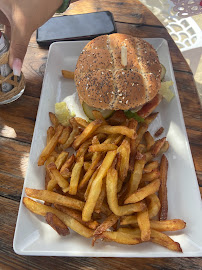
{"points": [[34, 237]]}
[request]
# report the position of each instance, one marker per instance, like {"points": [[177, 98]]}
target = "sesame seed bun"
{"points": [[103, 82]]}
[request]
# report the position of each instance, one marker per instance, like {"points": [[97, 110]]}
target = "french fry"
{"points": [[121, 238], [101, 197], [76, 171], [61, 159], [88, 131], [73, 134], [106, 129], [68, 164], [90, 171], [149, 140], [163, 188], [142, 193], [50, 134], [111, 184], [52, 184], [164, 240], [132, 124], [97, 185], [53, 197], [76, 215], [124, 150], [83, 148], [86, 165], [159, 132], [136, 175], [90, 184], [103, 147], [61, 181], [153, 205], [53, 119], [65, 135], [167, 225], [151, 175], [144, 224], [81, 122], [151, 166], [49, 148], [98, 115], [106, 224], [56, 224], [149, 119], [68, 74], [41, 209], [157, 146], [164, 148]]}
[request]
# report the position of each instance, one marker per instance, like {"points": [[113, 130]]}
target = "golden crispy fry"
{"points": [[57, 224], [65, 135], [164, 148], [151, 166], [142, 193], [159, 132], [128, 220], [124, 150], [150, 118], [157, 146], [151, 175], [132, 124], [106, 129], [149, 140], [136, 175], [156, 237], [164, 240], [103, 147], [68, 74], [101, 197], [61, 159], [167, 225], [53, 197], [111, 184], [81, 122], [49, 148], [98, 115], [121, 238], [106, 224], [66, 173], [41, 209], [90, 171], [87, 133], [83, 148], [86, 165], [163, 188], [61, 181], [76, 171], [153, 205], [53, 119], [89, 184], [144, 224], [73, 134], [52, 184], [141, 148], [76, 215], [68, 164], [97, 186], [50, 134]]}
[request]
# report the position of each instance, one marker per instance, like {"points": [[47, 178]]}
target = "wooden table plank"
{"points": [[123, 11]]}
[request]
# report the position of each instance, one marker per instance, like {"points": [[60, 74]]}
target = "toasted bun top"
{"points": [[104, 83]]}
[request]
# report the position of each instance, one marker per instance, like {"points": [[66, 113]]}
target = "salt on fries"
{"points": [[112, 188]]}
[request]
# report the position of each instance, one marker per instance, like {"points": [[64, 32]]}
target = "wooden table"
{"points": [[17, 122]]}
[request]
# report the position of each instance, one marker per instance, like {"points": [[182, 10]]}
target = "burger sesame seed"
{"points": [[126, 101], [132, 84], [120, 101], [123, 72]]}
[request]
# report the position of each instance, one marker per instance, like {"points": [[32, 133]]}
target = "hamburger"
{"points": [[118, 72]]}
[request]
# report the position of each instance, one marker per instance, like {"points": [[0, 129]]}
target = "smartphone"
{"points": [[76, 27]]}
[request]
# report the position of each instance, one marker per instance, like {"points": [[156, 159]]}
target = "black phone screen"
{"points": [[76, 27]]}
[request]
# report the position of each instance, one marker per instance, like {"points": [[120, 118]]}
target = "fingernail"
{"points": [[17, 66]]}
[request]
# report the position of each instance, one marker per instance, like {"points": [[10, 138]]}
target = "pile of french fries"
{"points": [[112, 187]]}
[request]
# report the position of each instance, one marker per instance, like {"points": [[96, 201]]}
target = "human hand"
{"points": [[21, 18]]}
